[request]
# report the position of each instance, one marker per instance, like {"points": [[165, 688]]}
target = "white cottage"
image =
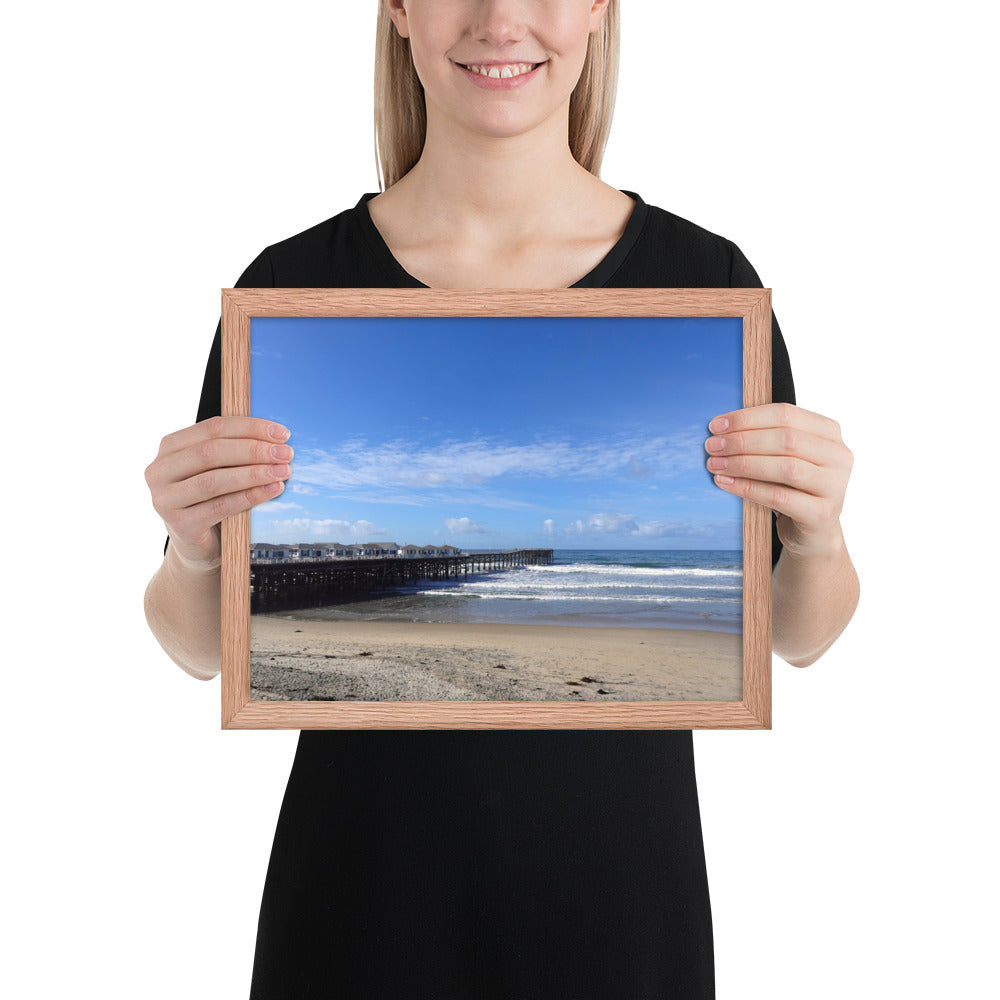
{"points": [[329, 550], [378, 550], [270, 551]]}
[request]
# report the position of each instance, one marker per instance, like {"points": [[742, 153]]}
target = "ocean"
{"points": [[621, 588]]}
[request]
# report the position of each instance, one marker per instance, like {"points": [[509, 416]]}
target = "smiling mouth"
{"points": [[500, 71]]}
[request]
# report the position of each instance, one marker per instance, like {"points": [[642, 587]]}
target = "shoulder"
{"points": [[332, 253], [692, 255]]}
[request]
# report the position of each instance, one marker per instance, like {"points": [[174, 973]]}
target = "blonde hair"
{"points": [[401, 115]]}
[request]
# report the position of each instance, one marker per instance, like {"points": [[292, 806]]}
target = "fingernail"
{"points": [[282, 452], [728, 480], [718, 425], [715, 444], [279, 432], [281, 471], [273, 489], [717, 463]]}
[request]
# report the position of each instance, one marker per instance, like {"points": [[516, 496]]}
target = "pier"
{"points": [[285, 586]]}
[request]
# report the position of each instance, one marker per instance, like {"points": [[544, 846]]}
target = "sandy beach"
{"points": [[295, 660]]}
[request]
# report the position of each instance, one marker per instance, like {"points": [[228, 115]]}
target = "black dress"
{"points": [[490, 865]]}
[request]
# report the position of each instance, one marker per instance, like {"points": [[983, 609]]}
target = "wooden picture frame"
{"points": [[751, 710]]}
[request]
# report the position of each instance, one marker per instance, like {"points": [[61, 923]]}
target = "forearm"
{"points": [[813, 599], [183, 609]]}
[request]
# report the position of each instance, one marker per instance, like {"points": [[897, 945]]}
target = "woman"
{"points": [[509, 864]]}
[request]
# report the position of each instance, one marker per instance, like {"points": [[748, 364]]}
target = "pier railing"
{"points": [[284, 586]]}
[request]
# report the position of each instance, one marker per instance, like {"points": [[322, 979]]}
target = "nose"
{"points": [[499, 22]]}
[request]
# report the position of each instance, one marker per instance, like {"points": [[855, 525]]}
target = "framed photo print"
{"points": [[499, 514]]}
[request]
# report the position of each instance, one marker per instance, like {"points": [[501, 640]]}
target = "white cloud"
{"points": [[464, 526], [308, 491], [624, 524], [438, 499], [270, 505], [658, 529], [548, 526], [603, 524], [301, 529], [395, 464]]}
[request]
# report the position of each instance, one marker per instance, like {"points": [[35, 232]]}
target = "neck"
{"points": [[472, 184]]}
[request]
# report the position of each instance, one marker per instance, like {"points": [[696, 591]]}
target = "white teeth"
{"points": [[497, 73]]}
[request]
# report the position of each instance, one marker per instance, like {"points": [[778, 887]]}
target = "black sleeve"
{"points": [[258, 274], [742, 275]]}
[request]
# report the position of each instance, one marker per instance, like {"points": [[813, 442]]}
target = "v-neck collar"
{"points": [[595, 278]]}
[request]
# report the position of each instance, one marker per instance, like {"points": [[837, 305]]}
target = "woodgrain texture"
{"points": [[240, 712], [235, 530], [757, 527]]}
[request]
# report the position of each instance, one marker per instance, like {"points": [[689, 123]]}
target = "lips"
{"points": [[500, 75]]}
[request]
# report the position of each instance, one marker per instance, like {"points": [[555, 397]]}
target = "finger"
{"points": [[224, 427], [217, 483], [803, 508], [194, 521], [782, 470], [216, 453], [776, 415], [787, 441]]}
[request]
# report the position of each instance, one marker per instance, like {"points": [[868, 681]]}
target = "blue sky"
{"points": [[498, 432]]}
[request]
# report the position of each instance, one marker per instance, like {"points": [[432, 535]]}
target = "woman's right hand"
{"points": [[204, 473]]}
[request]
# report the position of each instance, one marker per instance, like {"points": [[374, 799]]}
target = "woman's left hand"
{"points": [[790, 460]]}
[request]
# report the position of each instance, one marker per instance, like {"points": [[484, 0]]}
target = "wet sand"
{"points": [[402, 661]]}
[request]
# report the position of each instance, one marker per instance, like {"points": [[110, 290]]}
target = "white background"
{"points": [[153, 150]]}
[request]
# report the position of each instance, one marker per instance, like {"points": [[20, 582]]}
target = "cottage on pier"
{"points": [[377, 550], [268, 550]]}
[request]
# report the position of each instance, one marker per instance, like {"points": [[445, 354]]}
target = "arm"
{"points": [[813, 599], [795, 463], [201, 475], [183, 611]]}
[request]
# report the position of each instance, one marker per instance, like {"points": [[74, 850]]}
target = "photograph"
{"points": [[497, 509]]}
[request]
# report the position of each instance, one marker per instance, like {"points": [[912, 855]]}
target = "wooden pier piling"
{"points": [[284, 586]]}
